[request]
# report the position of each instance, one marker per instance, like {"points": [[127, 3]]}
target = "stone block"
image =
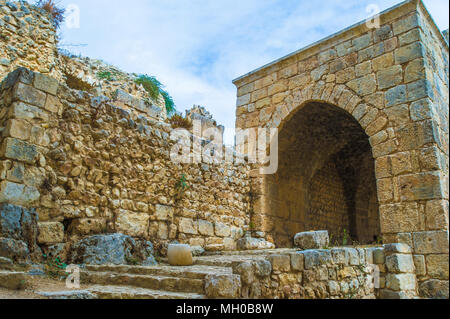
{"points": [[297, 262], [116, 249], [205, 228], [390, 77], [16, 149], [251, 243], [222, 286], [18, 194], [419, 89], [17, 129], [246, 271], [28, 94], [164, 213], [437, 266], [400, 263], [364, 86], [398, 282], [312, 240], [409, 52], [133, 224], [179, 255], [280, 263], [315, 258], [434, 289], [379, 256], [431, 242], [420, 186], [406, 24], [396, 95], [188, 226], [45, 83], [397, 248], [51, 233], [222, 230], [263, 268], [419, 263], [436, 215], [400, 217]]}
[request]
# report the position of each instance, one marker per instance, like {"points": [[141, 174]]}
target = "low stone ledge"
{"points": [[312, 240]]}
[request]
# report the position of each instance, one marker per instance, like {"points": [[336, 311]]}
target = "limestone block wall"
{"points": [[27, 39], [90, 167], [393, 80], [384, 272]]}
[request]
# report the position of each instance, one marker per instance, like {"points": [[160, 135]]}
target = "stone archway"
{"points": [[326, 177]]}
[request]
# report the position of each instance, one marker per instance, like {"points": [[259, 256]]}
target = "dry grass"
{"points": [[55, 11]]}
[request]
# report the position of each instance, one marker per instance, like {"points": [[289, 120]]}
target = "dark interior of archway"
{"points": [[326, 178]]}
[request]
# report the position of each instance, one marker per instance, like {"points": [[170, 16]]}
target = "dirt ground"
{"points": [[36, 284]]}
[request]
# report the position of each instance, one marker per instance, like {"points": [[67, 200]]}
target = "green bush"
{"points": [[154, 88]]}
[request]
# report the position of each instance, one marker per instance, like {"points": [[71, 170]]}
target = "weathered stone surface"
{"points": [[250, 243], [397, 248], [431, 242], [16, 250], [51, 233], [437, 266], [398, 282], [435, 289], [14, 280], [69, 295], [133, 224], [19, 150], [390, 77], [400, 263], [18, 194], [179, 255], [280, 263], [205, 228], [222, 286], [246, 271], [18, 232], [117, 249], [28, 94], [45, 83], [312, 240]]}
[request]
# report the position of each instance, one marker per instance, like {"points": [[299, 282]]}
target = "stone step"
{"points": [[226, 260], [125, 292], [154, 282], [251, 252], [13, 280], [191, 272]]}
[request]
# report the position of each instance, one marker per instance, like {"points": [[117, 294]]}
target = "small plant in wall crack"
{"points": [[181, 186]]}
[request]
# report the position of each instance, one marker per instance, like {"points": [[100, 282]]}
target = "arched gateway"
{"points": [[325, 179], [362, 118]]}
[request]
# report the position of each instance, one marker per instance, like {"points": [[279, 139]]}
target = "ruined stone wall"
{"points": [[385, 272], [27, 39], [90, 167]]}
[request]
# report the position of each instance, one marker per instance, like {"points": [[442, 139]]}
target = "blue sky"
{"points": [[197, 47]]}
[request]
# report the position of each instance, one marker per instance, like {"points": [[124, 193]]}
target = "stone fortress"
{"points": [[85, 170]]}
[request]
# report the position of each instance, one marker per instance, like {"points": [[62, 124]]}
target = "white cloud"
{"points": [[197, 47]]}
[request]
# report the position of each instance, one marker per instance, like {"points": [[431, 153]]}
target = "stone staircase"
{"points": [[156, 282]]}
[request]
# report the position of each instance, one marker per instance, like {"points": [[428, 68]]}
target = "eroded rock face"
{"points": [[222, 286], [250, 243], [117, 249], [18, 233], [312, 240]]}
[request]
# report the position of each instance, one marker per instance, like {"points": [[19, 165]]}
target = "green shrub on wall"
{"points": [[154, 88]]}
